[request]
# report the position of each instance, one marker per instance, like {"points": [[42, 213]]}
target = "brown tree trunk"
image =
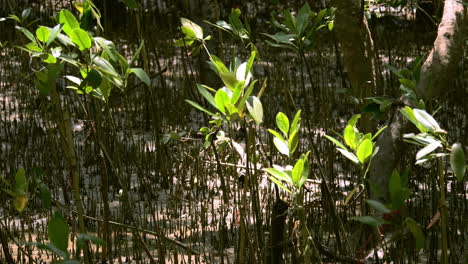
{"points": [[357, 45], [436, 73]]}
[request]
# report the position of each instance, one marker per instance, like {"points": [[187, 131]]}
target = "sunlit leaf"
{"points": [[281, 175], [192, 26], [428, 149], [349, 155], [80, 38], [426, 120], [281, 146], [69, 21], [199, 107], [282, 122], [255, 109], [42, 34], [142, 75], [365, 150]]}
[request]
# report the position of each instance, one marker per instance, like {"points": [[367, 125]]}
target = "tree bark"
{"points": [[440, 68], [436, 73], [357, 45]]}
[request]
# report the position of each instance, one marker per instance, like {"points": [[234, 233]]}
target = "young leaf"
{"points": [[365, 150], [427, 150], [42, 34], [336, 142], [349, 155], [192, 26], [80, 38], [242, 74], [203, 89], [255, 109], [378, 132], [69, 21], [58, 231], [282, 122], [295, 122], [276, 134], [426, 120], [281, 146], [293, 141], [280, 175], [221, 98], [457, 161], [277, 182], [350, 136], [297, 171]]}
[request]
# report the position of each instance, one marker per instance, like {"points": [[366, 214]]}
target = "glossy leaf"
{"points": [[297, 171], [27, 33], [426, 120], [58, 231], [428, 149], [293, 141], [282, 122], [221, 98], [457, 161], [365, 150], [350, 136], [203, 89], [295, 126], [42, 34], [281, 146], [336, 142], [349, 155], [280, 175], [80, 38], [279, 184], [69, 21], [255, 109], [192, 26]]}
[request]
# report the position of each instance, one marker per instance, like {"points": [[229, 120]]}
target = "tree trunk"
{"points": [[440, 68], [357, 45], [436, 73]]}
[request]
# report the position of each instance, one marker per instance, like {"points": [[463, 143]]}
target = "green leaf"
{"points": [[242, 74], [255, 109], [408, 83], [282, 122], [58, 232], [206, 94], [336, 142], [280, 175], [297, 171], [457, 161], [21, 184], [69, 21], [370, 220], [42, 34], [107, 46], [199, 107], [221, 98], [349, 155], [350, 136], [295, 126], [276, 134], [141, 74], [229, 80], [279, 184], [365, 150], [353, 120], [80, 38], [192, 26], [27, 33], [378, 132], [303, 18], [105, 66], [219, 65], [351, 194], [426, 120], [416, 231], [20, 201], [428, 149], [293, 141], [281, 146], [396, 190], [378, 206]]}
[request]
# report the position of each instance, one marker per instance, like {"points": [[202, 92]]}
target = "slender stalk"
{"points": [[443, 212], [63, 123]]}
